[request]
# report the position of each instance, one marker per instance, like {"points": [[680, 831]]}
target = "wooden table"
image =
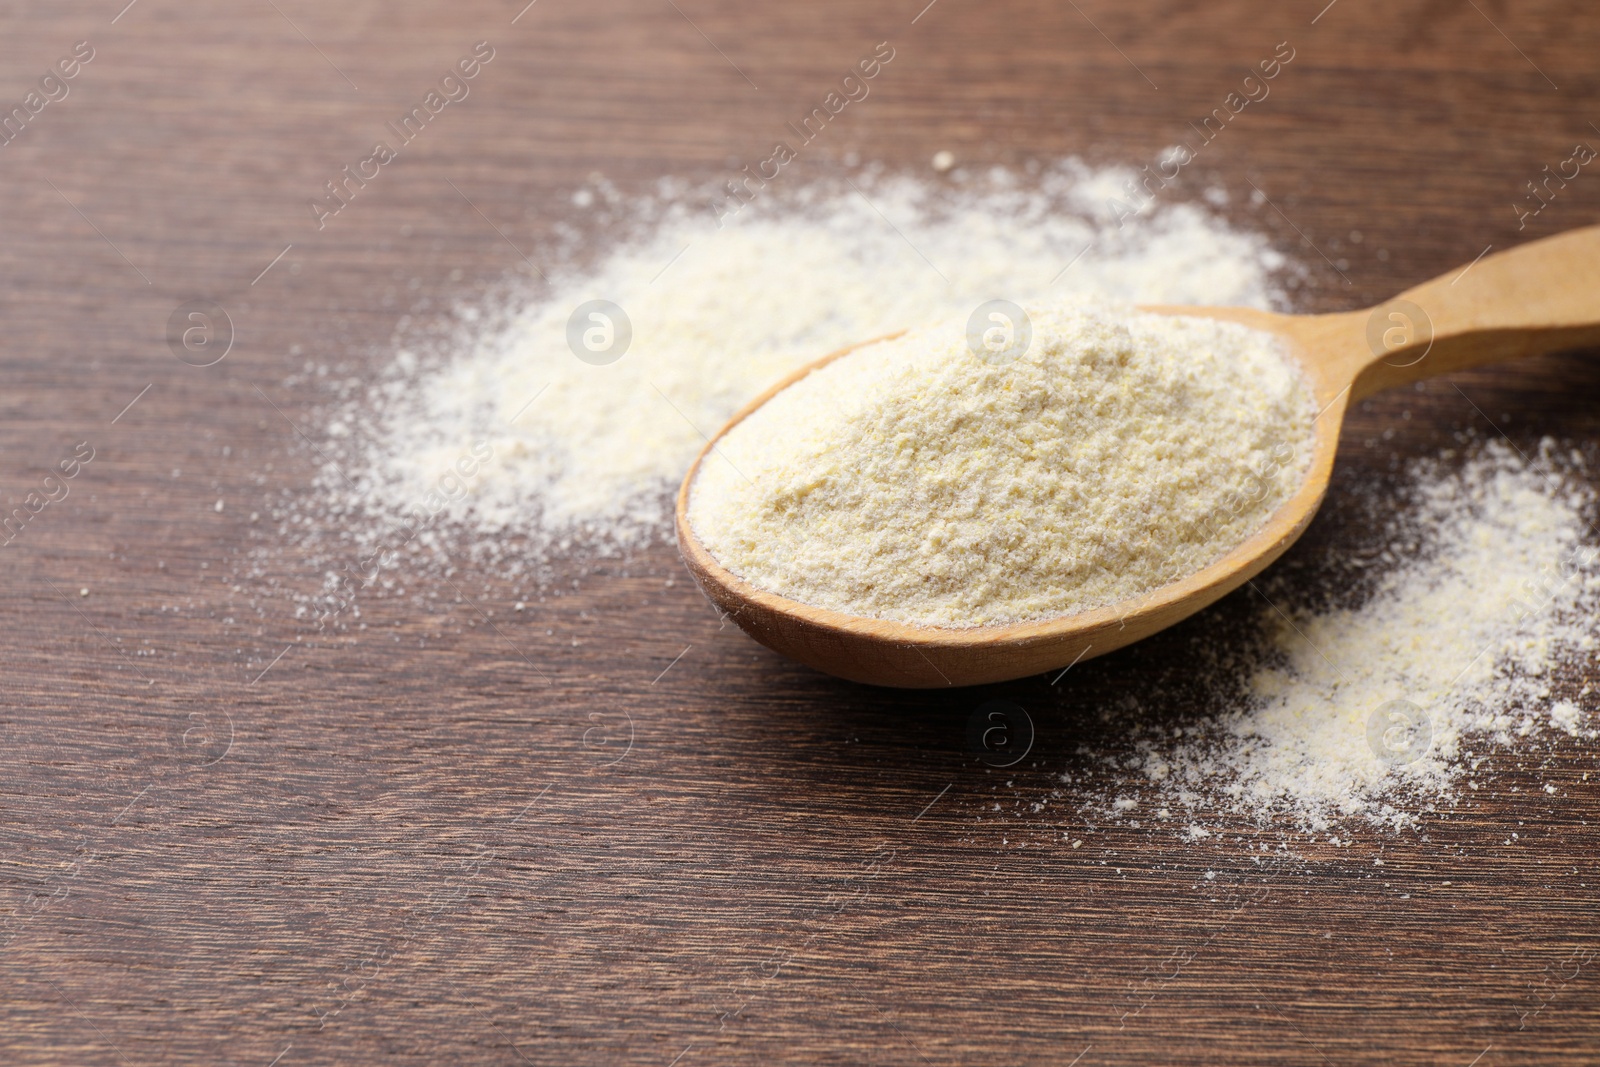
{"points": [[229, 839]]}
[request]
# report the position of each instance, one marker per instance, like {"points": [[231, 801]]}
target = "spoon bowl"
{"points": [[1541, 297]]}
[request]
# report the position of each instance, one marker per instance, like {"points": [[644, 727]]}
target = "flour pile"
{"points": [[586, 452], [1369, 713], [924, 481]]}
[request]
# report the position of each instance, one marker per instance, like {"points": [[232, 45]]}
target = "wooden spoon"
{"points": [[1542, 297]]}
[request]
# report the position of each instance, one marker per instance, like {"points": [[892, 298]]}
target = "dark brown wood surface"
{"points": [[538, 837]]}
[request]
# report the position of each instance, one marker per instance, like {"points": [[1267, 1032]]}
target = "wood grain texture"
{"points": [[607, 829]]}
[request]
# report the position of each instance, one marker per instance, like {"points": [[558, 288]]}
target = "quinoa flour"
{"points": [[915, 481], [718, 314], [587, 455]]}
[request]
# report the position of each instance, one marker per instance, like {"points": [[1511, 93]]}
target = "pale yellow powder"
{"points": [[1379, 711], [914, 481], [587, 456]]}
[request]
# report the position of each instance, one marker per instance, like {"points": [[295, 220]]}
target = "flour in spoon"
{"points": [[959, 476]]}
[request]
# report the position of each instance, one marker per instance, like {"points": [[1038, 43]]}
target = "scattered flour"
{"points": [[1372, 713], [917, 480], [589, 454], [1565, 716]]}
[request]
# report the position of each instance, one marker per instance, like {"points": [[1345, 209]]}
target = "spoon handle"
{"points": [[1537, 298]]}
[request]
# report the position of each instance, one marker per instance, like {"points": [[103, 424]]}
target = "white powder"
{"points": [[1566, 716], [913, 480], [1501, 587], [593, 452]]}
